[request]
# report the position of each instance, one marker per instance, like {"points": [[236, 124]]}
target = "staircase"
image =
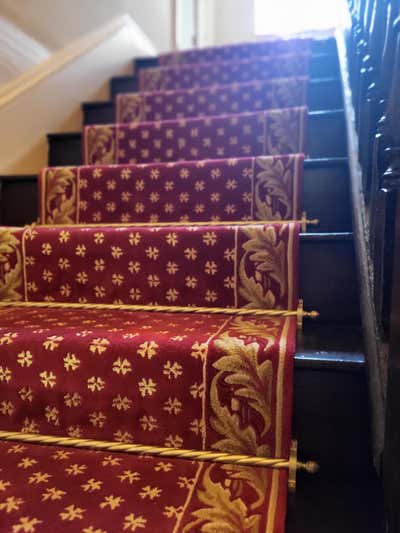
{"points": [[330, 400]]}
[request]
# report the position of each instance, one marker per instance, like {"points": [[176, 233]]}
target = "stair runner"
{"points": [[247, 188], [188, 76], [279, 131], [231, 98], [131, 314], [236, 52]]}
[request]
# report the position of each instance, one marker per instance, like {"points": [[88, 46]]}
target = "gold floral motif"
{"points": [[256, 328], [283, 132], [131, 108], [251, 385], [100, 143], [290, 93], [10, 266], [266, 255], [223, 509], [152, 79], [273, 196], [61, 198]]}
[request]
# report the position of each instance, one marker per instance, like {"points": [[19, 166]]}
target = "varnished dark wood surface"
{"points": [[18, 200], [331, 416], [318, 46], [323, 94], [392, 436], [325, 137], [325, 196], [363, 261], [328, 281], [323, 64], [325, 504]]}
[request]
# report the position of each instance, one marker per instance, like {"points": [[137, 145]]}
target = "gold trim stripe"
{"points": [[193, 487], [273, 500]]}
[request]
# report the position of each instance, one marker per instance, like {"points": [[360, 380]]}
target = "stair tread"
{"points": [[308, 163], [143, 492], [329, 346], [311, 114], [110, 102]]}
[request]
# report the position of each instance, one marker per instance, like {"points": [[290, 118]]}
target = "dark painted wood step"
{"points": [[328, 281], [322, 66], [322, 94], [327, 271], [325, 137], [328, 504], [123, 84], [18, 200], [318, 46], [325, 196], [330, 417]]}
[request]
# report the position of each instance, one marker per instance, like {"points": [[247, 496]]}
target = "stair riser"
{"points": [[325, 196], [18, 200], [322, 95], [325, 137], [328, 279], [322, 64], [323, 46], [331, 419]]}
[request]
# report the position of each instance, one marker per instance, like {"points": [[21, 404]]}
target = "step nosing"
{"points": [[311, 115], [329, 360]]}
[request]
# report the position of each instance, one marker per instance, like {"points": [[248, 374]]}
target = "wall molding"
{"points": [[19, 51], [61, 58]]}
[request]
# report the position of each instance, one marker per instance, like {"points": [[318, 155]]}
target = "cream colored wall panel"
{"points": [[48, 97], [18, 51], [55, 23]]}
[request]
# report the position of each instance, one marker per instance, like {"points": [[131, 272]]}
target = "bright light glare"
{"points": [[285, 17]]}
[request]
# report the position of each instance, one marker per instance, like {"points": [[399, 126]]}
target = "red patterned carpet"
{"points": [[188, 75], [224, 99], [56, 490], [252, 265], [174, 380], [247, 188], [279, 131], [174, 208], [236, 52]]}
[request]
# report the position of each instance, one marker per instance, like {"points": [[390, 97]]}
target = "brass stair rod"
{"points": [[240, 311], [303, 220], [292, 464]]}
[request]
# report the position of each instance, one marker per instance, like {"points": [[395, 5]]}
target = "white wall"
{"points": [[18, 51], [233, 21], [47, 98], [225, 21], [56, 23]]}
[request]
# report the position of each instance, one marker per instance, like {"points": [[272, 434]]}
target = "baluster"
{"points": [[371, 88], [386, 178]]}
